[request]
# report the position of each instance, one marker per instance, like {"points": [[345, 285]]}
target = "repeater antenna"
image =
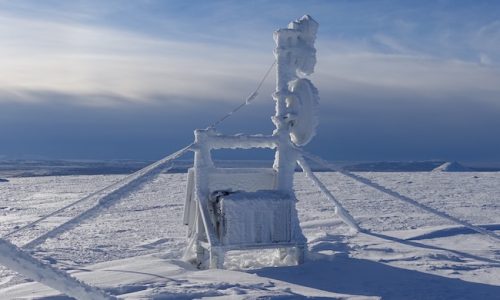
{"points": [[296, 97]]}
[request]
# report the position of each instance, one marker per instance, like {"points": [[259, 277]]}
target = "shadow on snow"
{"points": [[365, 277]]}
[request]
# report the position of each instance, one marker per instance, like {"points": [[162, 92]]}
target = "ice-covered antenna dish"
{"points": [[302, 104]]}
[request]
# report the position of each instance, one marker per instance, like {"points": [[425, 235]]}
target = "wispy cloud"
{"points": [[66, 57], [64, 51], [420, 75]]}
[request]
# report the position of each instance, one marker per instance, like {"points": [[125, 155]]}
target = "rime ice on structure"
{"points": [[296, 98], [244, 208]]}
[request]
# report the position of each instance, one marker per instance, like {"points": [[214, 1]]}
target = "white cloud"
{"points": [[65, 57], [420, 76], [392, 44], [484, 59], [71, 58]]}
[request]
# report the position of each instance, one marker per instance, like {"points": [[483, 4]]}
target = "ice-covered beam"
{"points": [[339, 209], [25, 264], [212, 140]]}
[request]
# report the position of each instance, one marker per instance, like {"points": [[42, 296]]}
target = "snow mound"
{"points": [[451, 167]]}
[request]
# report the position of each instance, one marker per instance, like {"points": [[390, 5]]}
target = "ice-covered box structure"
{"points": [[253, 218], [237, 208]]}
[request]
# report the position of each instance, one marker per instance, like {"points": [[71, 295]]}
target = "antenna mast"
{"points": [[295, 55]]}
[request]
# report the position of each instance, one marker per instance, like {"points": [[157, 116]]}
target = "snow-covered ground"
{"points": [[133, 248]]}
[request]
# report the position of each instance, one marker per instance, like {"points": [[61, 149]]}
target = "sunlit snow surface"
{"points": [[134, 248]]}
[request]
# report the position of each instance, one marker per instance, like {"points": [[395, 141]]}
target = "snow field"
{"points": [[143, 233]]}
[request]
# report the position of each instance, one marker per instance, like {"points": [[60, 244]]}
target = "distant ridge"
{"points": [[31, 168], [394, 166], [451, 167]]}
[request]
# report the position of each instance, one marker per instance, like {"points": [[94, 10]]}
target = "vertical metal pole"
{"points": [[285, 157], [202, 162]]}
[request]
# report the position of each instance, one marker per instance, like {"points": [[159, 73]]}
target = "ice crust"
{"points": [[261, 217], [298, 42]]}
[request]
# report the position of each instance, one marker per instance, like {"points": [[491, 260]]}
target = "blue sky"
{"points": [[398, 80]]}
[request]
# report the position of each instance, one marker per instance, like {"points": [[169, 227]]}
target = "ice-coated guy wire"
{"points": [[247, 101]]}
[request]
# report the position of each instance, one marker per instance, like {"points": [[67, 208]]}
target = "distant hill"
{"points": [[451, 167], [396, 166]]}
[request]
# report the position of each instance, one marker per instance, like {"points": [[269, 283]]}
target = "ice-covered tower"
{"points": [[296, 98], [233, 209]]}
